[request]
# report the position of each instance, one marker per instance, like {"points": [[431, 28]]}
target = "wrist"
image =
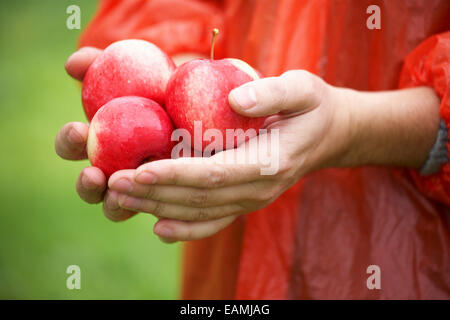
{"points": [[335, 146], [354, 121], [392, 128], [342, 139]]}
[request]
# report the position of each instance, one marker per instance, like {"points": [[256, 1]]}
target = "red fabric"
{"points": [[319, 237], [429, 65], [174, 25]]}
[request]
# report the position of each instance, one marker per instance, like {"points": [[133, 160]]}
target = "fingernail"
{"points": [[122, 185], [244, 96], [87, 184], [74, 136], [164, 232], [145, 177]]}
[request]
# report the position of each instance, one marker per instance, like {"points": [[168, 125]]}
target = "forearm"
{"points": [[394, 128]]}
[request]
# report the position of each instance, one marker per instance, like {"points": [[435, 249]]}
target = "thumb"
{"points": [[293, 91], [78, 63]]}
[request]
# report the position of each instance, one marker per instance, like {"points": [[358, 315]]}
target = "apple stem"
{"points": [[215, 32]]}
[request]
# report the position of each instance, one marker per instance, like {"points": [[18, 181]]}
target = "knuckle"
{"points": [[293, 74], [305, 82], [279, 91], [199, 197], [150, 193], [267, 196], [285, 168], [201, 214], [289, 177], [309, 91], [122, 201], [216, 177], [284, 173], [263, 196], [238, 209], [175, 175], [298, 75], [158, 208]]}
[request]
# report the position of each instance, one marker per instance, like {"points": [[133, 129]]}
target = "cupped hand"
{"points": [[71, 142], [197, 197]]}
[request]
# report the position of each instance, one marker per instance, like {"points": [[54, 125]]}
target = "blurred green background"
{"points": [[44, 226]]}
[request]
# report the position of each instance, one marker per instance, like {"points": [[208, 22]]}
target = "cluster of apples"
{"points": [[134, 97]]}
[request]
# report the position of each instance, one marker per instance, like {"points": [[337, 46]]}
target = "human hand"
{"points": [[71, 142], [319, 126], [196, 197]]}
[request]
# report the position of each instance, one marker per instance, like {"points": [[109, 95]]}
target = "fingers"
{"points": [[70, 142], [293, 91], [111, 208], [78, 63], [195, 189], [123, 182], [175, 230], [179, 212], [91, 185], [195, 172]]}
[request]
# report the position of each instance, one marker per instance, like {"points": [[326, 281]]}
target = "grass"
{"points": [[44, 226]]}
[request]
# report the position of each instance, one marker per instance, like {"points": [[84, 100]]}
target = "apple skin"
{"points": [[126, 68], [198, 90], [127, 132]]}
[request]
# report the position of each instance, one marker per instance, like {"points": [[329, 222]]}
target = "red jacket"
{"points": [[319, 237]]}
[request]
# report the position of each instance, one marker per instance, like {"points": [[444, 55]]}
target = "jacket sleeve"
{"points": [[176, 26], [429, 65]]}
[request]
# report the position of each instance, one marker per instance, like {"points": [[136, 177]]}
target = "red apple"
{"points": [[126, 68], [127, 132], [198, 91]]}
